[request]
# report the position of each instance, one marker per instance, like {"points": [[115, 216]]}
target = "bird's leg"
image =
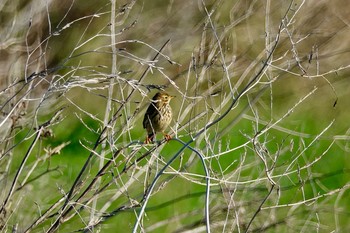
{"points": [[149, 139]]}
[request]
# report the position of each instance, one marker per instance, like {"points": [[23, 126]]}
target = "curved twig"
{"points": [[151, 187]]}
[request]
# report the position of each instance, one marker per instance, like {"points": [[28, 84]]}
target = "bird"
{"points": [[158, 116]]}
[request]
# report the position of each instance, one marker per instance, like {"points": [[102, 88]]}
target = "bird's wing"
{"points": [[151, 110]]}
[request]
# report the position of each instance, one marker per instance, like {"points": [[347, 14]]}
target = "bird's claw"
{"points": [[148, 140], [167, 137]]}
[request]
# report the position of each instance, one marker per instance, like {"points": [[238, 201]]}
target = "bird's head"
{"points": [[163, 97]]}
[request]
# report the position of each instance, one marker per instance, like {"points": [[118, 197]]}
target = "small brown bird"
{"points": [[158, 116]]}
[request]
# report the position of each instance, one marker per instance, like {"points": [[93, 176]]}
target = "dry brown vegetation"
{"points": [[260, 132]]}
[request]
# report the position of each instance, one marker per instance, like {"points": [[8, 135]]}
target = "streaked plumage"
{"points": [[158, 116]]}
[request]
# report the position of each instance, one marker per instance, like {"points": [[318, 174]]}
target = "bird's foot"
{"points": [[167, 137], [149, 139]]}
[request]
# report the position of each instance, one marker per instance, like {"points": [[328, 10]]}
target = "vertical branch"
{"points": [[108, 104]]}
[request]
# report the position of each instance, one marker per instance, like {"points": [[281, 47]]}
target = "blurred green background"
{"points": [[295, 115]]}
